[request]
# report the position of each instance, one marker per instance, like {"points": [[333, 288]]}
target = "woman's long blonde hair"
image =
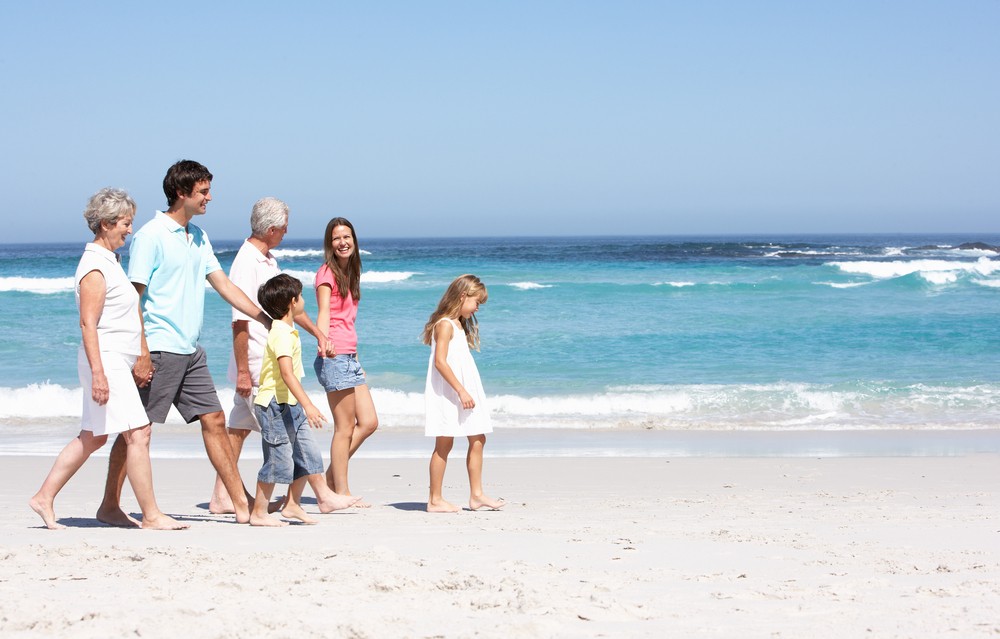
{"points": [[451, 305]]}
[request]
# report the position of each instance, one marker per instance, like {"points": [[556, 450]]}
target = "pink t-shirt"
{"points": [[343, 312]]}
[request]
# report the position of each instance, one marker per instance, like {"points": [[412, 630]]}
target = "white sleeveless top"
{"points": [[118, 329]]}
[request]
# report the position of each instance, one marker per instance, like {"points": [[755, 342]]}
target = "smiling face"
{"points": [[115, 234], [196, 202], [342, 242]]}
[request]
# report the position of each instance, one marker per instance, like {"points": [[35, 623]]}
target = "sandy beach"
{"points": [[596, 547]]}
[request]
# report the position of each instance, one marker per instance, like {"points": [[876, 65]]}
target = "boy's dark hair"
{"points": [[277, 294], [182, 177]]}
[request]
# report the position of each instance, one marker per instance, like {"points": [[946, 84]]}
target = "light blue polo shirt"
{"points": [[172, 263]]}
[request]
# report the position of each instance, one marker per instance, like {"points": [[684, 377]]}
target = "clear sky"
{"points": [[510, 118]]}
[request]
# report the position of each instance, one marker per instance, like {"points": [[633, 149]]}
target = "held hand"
{"points": [[314, 417], [99, 390], [142, 371], [325, 347], [243, 383], [467, 402]]}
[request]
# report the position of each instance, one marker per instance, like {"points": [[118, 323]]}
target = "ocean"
{"points": [[610, 346]]}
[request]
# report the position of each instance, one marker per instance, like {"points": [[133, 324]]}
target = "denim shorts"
{"points": [[339, 373], [290, 451]]}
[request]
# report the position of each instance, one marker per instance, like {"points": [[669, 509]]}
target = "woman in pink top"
{"points": [[338, 289]]}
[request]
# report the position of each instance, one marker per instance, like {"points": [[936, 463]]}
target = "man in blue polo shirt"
{"points": [[169, 260]]}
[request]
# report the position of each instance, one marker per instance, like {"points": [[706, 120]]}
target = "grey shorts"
{"points": [[181, 380]]}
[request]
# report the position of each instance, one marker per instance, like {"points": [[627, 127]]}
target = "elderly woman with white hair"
{"points": [[111, 325]]}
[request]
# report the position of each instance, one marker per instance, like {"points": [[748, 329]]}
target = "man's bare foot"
{"points": [[294, 511], [360, 503], [116, 517], [442, 506], [257, 520], [221, 505], [336, 502], [163, 522], [483, 502], [45, 510]]}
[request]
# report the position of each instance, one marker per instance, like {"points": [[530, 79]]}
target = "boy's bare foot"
{"points": [[258, 520], [163, 522], [294, 511], [442, 506], [46, 512], [116, 517], [483, 502], [336, 502]]}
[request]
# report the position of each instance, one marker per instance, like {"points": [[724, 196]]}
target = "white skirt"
{"points": [[124, 409]]}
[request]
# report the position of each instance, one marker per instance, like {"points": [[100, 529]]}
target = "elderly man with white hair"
{"points": [[255, 264]]}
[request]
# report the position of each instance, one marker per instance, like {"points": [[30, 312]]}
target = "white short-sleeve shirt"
{"points": [[250, 269]]}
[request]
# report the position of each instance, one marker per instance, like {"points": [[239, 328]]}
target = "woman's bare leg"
{"points": [[70, 459]]}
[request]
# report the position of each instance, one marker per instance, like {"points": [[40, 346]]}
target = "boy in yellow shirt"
{"points": [[291, 455]]}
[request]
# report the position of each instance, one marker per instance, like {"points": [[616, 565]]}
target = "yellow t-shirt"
{"points": [[282, 341]]}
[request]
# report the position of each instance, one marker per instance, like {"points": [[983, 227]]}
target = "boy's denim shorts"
{"points": [[290, 451], [339, 373]]}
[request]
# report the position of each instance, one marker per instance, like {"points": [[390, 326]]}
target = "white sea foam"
{"points": [[368, 277], [779, 406], [926, 268], [42, 285], [307, 277], [843, 284], [384, 277], [528, 286], [280, 252], [675, 284]]}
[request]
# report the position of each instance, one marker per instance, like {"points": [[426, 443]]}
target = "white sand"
{"points": [[707, 547]]}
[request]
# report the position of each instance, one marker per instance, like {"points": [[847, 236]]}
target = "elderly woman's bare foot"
{"points": [[117, 517], [442, 506], [163, 522], [45, 510], [482, 502], [293, 511]]}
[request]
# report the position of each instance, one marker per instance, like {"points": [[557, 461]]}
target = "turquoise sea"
{"points": [[609, 345]]}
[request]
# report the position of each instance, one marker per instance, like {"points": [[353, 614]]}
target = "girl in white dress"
{"points": [[454, 400]]}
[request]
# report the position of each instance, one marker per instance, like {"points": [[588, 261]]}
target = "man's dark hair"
{"points": [[276, 294], [182, 177]]}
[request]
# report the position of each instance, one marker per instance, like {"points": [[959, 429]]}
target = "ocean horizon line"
{"points": [[734, 236]]}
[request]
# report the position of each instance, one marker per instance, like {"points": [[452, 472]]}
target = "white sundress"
{"points": [[445, 416]]}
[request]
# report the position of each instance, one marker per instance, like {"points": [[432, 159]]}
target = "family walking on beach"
{"points": [[140, 355]]}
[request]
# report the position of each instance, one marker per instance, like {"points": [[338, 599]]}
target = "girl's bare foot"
{"points": [[294, 511], [336, 502], [264, 520], [163, 522], [482, 502], [45, 510], [442, 506], [117, 517]]}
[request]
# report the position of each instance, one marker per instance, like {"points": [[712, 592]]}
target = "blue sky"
{"points": [[510, 118]]}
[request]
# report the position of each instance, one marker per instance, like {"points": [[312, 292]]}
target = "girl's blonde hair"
{"points": [[451, 305]]}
